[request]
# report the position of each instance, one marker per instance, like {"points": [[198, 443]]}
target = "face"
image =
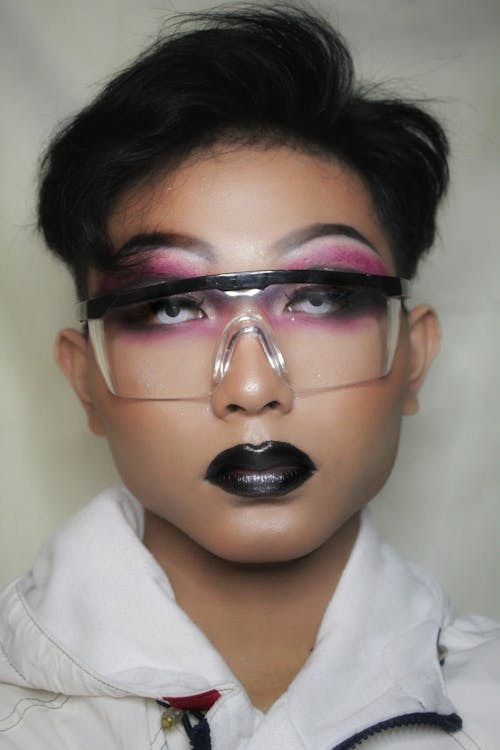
{"points": [[244, 209]]}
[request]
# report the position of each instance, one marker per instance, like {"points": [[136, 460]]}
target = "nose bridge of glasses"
{"points": [[248, 324]]}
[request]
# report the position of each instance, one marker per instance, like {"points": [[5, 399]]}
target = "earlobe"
{"points": [[72, 356], [425, 339]]}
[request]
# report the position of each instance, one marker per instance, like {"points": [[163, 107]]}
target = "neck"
{"points": [[263, 618]]}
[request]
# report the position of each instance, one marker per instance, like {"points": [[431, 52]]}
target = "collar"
{"points": [[376, 653], [99, 606], [106, 614]]}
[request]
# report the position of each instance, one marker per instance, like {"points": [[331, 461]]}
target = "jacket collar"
{"points": [[376, 653], [97, 600], [97, 605]]}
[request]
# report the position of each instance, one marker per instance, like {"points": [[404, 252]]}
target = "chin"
{"points": [[266, 547]]}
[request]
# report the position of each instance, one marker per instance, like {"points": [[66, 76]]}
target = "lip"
{"points": [[272, 469]]}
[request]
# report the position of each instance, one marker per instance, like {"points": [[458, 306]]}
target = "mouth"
{"points": [[272, 469]]}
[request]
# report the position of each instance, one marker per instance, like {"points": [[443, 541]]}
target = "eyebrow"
{"points": [[151, 241], [306, 234]]}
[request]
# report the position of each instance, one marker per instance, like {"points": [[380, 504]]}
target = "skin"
{"points": [[239, 568]]}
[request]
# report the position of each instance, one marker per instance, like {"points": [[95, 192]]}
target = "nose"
{"points": [[250, 384]]}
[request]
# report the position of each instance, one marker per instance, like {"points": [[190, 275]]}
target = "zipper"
{"points": [[198, 734], [449, 723]]}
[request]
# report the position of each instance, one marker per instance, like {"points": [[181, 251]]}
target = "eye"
{"points": [[318, 301], [333, 301], [175, 310]]}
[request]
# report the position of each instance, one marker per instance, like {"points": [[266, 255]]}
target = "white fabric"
{"points": [[93, 635]]}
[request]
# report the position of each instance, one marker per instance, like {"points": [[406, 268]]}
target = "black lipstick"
{"points": [[271, 469]]}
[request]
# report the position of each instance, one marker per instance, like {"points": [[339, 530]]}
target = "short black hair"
{"points": [[252, 75]]}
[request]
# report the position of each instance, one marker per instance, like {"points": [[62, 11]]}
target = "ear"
{"points": [[425, 338], [72, 354]]}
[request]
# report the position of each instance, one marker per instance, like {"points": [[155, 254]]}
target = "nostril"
{"points": [[236, 407]]}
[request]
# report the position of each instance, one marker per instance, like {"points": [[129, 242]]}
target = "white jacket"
{"points": [[92, 637]]}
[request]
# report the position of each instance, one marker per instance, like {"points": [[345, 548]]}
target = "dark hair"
{"points": [[245, 75]]}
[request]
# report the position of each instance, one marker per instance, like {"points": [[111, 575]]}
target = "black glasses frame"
{"points": [[92, 309]]}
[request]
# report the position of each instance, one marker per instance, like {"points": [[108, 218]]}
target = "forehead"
{"points": [[240, 202]]}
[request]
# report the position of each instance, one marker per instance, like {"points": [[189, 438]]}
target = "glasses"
{"points": [[319, 330]]}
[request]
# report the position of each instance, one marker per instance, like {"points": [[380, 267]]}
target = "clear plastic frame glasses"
{"points": [[175, 340]]}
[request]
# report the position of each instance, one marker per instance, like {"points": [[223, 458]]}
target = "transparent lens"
{"points": [[315, 337]]}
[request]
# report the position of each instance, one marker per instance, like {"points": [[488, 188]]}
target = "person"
{"points": [[241, 218]]}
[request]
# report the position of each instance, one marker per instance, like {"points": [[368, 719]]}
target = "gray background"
{"points": [[441, 505]]}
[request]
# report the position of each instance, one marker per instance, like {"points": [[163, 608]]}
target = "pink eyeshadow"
{"points": [[348, 254], [156, 268], [204, 329], [347, 324]]}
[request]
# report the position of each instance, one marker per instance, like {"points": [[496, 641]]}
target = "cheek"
{"points": [[356, 433], [153, 442], [161, 452], [156, 446]]}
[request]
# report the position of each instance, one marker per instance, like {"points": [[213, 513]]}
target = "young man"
{"points": [[240, 218]]}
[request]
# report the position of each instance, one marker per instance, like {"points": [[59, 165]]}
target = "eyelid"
{"points": [[188, 296], [97, 307]]}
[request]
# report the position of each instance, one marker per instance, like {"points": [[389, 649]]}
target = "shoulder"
{"points": [[471, 670], [31, 718], [26, 716]]}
